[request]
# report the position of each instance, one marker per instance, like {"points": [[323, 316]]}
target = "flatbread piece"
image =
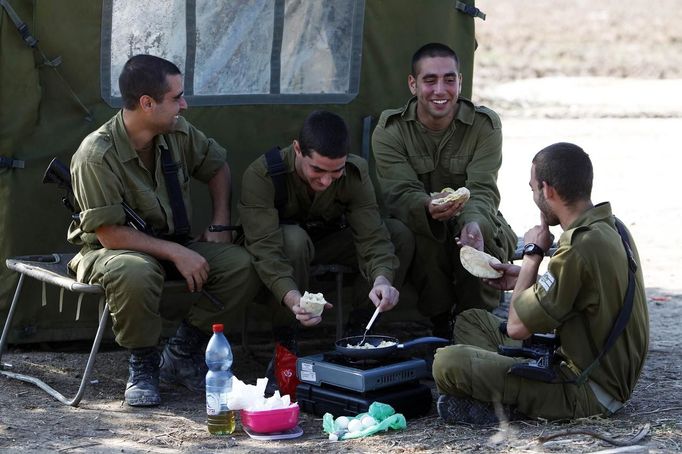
{"points": [[313, 303], [452, 195], [478, 263]]}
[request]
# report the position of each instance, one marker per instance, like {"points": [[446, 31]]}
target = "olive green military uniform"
{"points": [[580, 297], [283, 251], [413, 162], [106, 171]]}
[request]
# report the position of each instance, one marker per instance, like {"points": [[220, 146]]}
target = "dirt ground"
{"points": [[533, 61]]}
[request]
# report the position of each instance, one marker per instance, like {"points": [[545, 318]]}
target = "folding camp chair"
{"points": [[52, 269]]}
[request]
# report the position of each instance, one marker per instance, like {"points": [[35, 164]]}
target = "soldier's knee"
{"points": [[445, 364], [297, 242], [133, 271]]}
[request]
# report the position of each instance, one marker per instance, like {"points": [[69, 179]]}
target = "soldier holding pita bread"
{"points": [[441, 141], [591, 297]]}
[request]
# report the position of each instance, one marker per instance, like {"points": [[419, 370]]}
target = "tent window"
{"points": [[255, 52]]}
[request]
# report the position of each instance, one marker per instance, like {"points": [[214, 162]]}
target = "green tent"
{"points": [[253, 70]]}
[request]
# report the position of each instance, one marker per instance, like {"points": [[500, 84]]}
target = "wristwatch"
{"points": [[533, 249]]}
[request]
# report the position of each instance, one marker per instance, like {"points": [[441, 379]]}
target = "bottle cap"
{"points": [[217, 327]]}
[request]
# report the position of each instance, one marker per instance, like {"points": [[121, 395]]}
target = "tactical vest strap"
{"points": [[170, 173], [277, 171]]}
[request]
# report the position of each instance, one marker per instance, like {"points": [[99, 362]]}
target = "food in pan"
{"points": [[366, 345]]}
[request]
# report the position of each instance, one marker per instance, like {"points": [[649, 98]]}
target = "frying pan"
{"points": [[341, 345]]}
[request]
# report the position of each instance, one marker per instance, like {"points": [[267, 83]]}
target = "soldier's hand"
{"points": [[508, 279], [293, 299], [193, 267], [540, 235], [470, 235], [383, 294], [445, 211]]}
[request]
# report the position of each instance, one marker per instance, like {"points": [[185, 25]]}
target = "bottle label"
{"points": [[215, 403]]}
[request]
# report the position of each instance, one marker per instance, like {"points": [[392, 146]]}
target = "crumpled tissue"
{"points": [[250, 397], [384, 415]]}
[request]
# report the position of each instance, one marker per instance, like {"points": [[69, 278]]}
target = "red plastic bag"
{"points": [[285, 371]]}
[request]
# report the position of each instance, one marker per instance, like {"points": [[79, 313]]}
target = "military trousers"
{"points": [[473, 368], [339, 248], [133, 284], [442, 282]]}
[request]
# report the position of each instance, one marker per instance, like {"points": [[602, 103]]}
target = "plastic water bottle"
{"points": [[219, 383]]}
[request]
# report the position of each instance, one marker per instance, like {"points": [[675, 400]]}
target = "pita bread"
{"points": [[478, 263], [313, 303], [452, 195]]}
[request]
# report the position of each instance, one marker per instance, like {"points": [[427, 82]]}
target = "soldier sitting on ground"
{"points": [[584, 297]]}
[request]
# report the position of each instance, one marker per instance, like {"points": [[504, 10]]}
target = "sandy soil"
{"points": [[633, 146]]}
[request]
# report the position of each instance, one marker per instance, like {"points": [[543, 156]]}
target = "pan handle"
{"points": [[424, 340]]}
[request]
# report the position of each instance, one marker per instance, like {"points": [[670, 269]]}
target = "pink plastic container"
{"points": [[267, 421]]}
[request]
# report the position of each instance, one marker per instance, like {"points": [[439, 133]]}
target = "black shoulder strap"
{"points": [[277, 171], [625, 312], [170, 173]]}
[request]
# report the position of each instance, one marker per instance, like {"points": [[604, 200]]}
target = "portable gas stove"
{"points": [[331, 382]]}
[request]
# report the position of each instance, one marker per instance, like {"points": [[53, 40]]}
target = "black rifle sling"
{"points": [[277, 171], [170, 173], [625, 312]]}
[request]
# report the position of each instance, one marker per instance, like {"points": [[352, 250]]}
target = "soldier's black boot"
{"points": [[183, 358], [142, 389], [457, 410]]}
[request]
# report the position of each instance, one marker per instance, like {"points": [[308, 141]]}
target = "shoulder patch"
{"points": [[387, 114], [494, 118], [546, 281]]}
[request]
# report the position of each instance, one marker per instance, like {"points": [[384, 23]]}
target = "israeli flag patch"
{"points": [[546, 281]]}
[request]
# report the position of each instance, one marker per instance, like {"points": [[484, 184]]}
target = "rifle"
{"points": [[540, 349], [57, 173]]}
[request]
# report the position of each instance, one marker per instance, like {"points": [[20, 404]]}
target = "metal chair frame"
{"points": [[53, 269]]}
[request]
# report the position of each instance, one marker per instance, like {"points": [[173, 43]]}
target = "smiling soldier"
{"points": [[313, 202], [144, 157], [440, 140]]}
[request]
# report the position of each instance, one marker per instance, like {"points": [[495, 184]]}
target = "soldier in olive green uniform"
{"points": [[580, 297], [440, 140], [326, 188], [121, 163]]}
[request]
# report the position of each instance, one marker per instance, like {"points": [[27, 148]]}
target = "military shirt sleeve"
{"points": [[262, 232], [205, 156], [404, 195], [97, 189], [552, 299], [373, 242], [481, 175]]}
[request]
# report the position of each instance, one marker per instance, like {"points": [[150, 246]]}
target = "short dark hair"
{"points": [[145, 75], [433, 50], [326, 133], [567, 168]]}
